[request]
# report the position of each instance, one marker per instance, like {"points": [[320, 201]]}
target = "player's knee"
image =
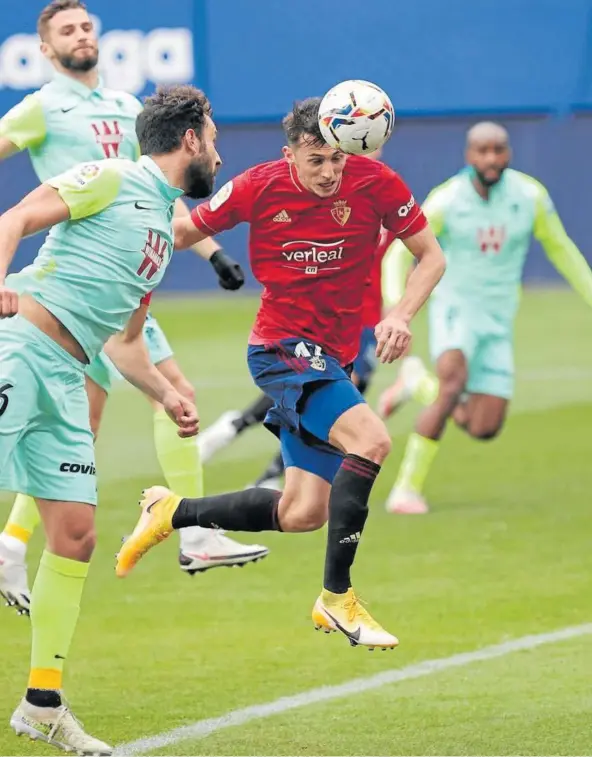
{"points": [[77, 541], [483, 432], [376, 443], [298, 515]]}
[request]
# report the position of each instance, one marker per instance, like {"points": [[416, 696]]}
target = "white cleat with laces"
{"points": [[56, 726], [205, 549]]}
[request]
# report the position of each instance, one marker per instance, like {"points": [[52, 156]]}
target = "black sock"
{"points": [[249, 510], [254, 414], [348, 510], [273, 470], [43, 697]]}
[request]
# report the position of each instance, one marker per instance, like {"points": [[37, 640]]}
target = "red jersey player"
{"points": [[315, 219], [233, 423]]}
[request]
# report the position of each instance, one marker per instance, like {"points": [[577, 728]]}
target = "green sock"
{"points": [[426, 390], [181, 466], [55, 606], [23, 519], [419, 455], [178, 458]]}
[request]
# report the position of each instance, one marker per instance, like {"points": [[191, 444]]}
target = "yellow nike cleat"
{"points": [[155, 525], [345, 613]]}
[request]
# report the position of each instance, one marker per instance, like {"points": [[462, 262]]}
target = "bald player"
{"points": [[484, 218]]}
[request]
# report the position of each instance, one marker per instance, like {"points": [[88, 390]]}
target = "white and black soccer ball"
{"points": [[356, 116]]}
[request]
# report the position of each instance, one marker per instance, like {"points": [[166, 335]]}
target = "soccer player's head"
{"points": [[488, 151], [319, 166], [177, 121], [68, 37]]}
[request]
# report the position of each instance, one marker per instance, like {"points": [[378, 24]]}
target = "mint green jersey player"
{"points": [[65, 123], [92, 273], [485, 243]]}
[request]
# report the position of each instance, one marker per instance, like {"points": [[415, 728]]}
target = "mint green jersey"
{"points": [[486, 241], [65, 123], [93, 270]]}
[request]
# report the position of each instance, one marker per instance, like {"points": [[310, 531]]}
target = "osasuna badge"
{"points": [[341, 212]]}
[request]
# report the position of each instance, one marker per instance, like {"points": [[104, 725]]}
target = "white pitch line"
{"points": [[203, 728]]}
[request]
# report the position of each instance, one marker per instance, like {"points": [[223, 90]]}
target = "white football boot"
{"points": [[56, 726], [14, 586], [392, 399], [205, 548], [217, 436]]}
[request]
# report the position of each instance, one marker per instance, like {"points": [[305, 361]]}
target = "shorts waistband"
{"points": [[25, 326]]}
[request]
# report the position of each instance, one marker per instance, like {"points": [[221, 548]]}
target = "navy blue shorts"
{"points": [[365, 363], [310, 391]]}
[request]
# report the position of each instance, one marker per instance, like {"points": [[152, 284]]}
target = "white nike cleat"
{"points": [[402, 502], [14, 586], [392, 399], [345, 613], [217, 436], [56, 726], [213, 549]]}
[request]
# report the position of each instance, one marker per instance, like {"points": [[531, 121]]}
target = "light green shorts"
{"points": [[485, 339], [102, 371], [46, 445]]}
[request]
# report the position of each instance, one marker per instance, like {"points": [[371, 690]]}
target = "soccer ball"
{"points": [[356, 116]]}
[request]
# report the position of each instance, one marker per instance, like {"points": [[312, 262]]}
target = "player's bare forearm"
{"points": [[39, 210], [430, 267], [207, 246], [186, 233], [132, 360]]}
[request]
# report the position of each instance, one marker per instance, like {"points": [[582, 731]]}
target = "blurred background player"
{"points": [[106, 256], [73, 119], [233, 423], [484, 218], [333, 444]]}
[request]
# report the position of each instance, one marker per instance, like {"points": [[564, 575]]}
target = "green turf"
{"points": [[504, 553]]}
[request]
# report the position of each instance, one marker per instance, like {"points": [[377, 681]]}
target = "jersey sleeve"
{"points": [[230, 206], [24, 125], [559, 248], [88, 188], [400, 212], [146, 299]]}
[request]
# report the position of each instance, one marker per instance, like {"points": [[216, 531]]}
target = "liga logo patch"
{"points": [[86, 173], [221, 196]]}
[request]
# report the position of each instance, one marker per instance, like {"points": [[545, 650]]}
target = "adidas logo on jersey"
{"points": [[353, 539], [282, 217]]}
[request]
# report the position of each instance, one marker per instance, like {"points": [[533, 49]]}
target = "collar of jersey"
{"points": [[72, 85], [167, 190], [469, 173]]}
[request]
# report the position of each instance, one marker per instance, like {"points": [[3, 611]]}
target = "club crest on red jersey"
{"points": [[154, 251], [491, 240], [109, 136], [341, 212]]}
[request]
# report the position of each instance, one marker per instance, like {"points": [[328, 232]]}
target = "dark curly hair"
{"points": [[167, 115], [303, 121]]}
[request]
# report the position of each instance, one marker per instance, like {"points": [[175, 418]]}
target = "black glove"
{"points": [[230, 274]]}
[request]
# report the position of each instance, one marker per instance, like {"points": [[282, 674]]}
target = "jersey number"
{"points": [[4, 398]]}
